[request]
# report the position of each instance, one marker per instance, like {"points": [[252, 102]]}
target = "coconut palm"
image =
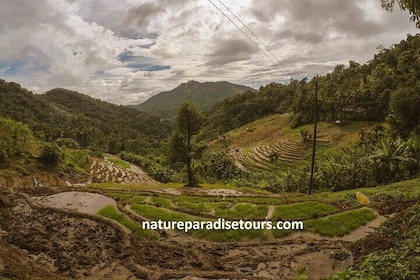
{"points": [[390, 160]]}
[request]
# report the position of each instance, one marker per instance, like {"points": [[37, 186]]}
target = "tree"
{"points": [[51, 154], [413, 7], [15, 139], [189, 123], [405, 104]]}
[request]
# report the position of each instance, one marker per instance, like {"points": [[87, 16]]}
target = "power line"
{"points": [[373, 102], [249, 38], [259, 40]]}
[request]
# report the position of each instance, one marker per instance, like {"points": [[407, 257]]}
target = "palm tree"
{"points": [[390, 160]]}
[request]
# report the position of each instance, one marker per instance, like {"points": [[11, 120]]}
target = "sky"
{"points": [[125, 51]]}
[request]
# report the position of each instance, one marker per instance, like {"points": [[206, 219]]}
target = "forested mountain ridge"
{"points": [[91, 123], [388, 86], [204, 95]]}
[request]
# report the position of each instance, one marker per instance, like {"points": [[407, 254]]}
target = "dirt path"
{"points": [[270, 212]]}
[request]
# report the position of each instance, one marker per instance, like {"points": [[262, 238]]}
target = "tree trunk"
{"points": [[190, 180]]}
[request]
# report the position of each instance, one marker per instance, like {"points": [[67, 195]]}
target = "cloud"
{"points": [[124, 51], [143, 14], [230, 50]]}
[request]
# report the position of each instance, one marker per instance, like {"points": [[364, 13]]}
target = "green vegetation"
{"points": [[76, 160], [136, 199], [62, 114], [188, 123], [161, 202], [123, 196], [398, 255], [413, 8], [155, 213], [156, 167], [111, 213], [203, 207], [301, 210], [202, 94], [340, 224], [232, 199], [119, 162], [15, 139], [263, 130], [317, 211], [243, 211], [51, 155]]}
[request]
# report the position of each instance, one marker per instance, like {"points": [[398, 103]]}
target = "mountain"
{"points": [[204, 95], [92, 123]]}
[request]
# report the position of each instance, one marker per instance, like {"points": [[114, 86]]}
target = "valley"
{"points": [[79, 176]]}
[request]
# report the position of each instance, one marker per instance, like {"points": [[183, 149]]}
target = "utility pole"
{"points": [[311, 183]]}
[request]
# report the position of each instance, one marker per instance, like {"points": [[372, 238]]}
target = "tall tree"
{"points": [[413, 7], [189, 123]]}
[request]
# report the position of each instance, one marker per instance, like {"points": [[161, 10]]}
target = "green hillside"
{"points": [[204, 95], [384, 88], [92, 123]]}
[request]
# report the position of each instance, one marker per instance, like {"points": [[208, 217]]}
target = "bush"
{"points": [[218, 167], [67, 143], [153, 167], [15, 139], [51, 155]]}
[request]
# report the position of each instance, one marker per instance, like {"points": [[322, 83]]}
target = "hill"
{"points": [[204, 95], [385, 87], [270, 144], [90, 122]]}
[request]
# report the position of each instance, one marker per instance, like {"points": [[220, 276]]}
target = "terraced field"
{"points": [[266, 156], [117, 245], [113, 169], [320, 217], [270, 144]]}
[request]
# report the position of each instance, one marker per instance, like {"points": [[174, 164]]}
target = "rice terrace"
{"points": [[126, 154]]}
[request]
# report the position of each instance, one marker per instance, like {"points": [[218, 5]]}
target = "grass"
{"points": [[161, 202], [119, 196], [233, 199], [203, 207], [196, 199], [76, 160], [301, 210], [111, 213], [403, 189], [137, 199], [243, 210], [155, 213], [340, 224], [119, 162], [300, 207]]}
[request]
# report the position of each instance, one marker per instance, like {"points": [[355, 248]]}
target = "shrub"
{"points": [[218, 167], [153, 167], [67, 143], [51, 155]]}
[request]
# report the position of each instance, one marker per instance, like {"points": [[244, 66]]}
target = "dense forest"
{"points": [[91, 123], [385, 88]]}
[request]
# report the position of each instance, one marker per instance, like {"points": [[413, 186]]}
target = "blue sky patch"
{"points": [[22, 66]]}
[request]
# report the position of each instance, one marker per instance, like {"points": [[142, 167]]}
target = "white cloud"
{"points": [[125, 51]]}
